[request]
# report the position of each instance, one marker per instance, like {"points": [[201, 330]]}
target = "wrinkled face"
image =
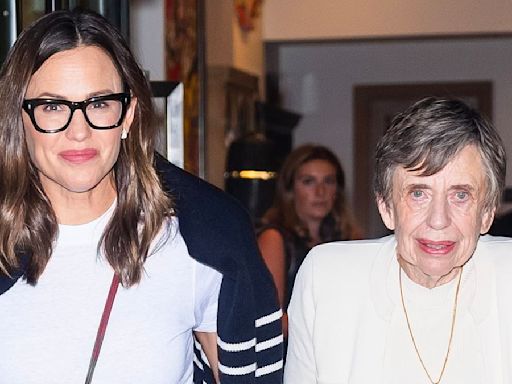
{"points": [[438, 219], [80, 158], [314, 190]]}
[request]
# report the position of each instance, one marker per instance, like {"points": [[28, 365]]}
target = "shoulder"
{"points": [[199, 203], [346, 264], [489, 241], [493, 260], [495, 249], [271, 234], [190, 191], [216, 228], [272, 247], [349, 254], [338, 280], [6, 282]]}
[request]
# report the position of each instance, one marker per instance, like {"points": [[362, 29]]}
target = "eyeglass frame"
{"points": [[30, 104]]}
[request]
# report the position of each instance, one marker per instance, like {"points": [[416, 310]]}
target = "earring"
{"points": [[124, 135]]}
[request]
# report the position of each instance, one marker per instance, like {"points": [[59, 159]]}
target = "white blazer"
{"points": [[345, 301]]}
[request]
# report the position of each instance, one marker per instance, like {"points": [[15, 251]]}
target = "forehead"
{"points": [[466, 168], [75, 73], [316, 166]]}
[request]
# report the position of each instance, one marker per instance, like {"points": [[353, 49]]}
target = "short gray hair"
{"points": [[429, 134]]}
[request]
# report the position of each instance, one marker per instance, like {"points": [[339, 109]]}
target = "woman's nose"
{"points": [[78, 128], [320, 189], [439, 213]]}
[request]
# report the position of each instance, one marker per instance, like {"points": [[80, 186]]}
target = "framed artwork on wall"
{"points": [[185, 63], [374, 108], [170, 137]]}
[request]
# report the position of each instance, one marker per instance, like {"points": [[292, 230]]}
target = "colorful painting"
{"points": [[183, 36]]}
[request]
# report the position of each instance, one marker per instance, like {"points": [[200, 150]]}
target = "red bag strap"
{"points": [[102, 328]]}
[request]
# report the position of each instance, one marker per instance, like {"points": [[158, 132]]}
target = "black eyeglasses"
{"points": [[54, 115]]}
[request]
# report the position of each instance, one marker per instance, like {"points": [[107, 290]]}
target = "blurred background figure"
{"points": [[309, 208]]}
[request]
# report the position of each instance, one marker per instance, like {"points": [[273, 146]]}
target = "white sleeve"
{"points": [[300, 361], [206, 296]]}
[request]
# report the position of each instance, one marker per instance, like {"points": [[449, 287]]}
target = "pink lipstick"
{"points": [[78, 156], [436, 247]]}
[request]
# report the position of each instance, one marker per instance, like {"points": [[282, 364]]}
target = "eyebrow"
{"points": [[410, 187], [50, 95], [467, 187], [315, 176]]}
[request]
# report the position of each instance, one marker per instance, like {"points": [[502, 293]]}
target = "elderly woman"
{"points": [[431, 303], [83, 208]]}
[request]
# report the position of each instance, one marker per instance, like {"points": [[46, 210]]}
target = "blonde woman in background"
{"points": [[309, 208]]}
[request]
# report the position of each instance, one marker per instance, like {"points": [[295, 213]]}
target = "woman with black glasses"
{"points": [[111, 261]]}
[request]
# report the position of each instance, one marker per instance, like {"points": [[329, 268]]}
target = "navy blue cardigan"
{"points": [[218, 232]]}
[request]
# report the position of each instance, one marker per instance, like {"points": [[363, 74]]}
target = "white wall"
{"points": [[318, 19], [328, 19], [317, 80], [219, 32], [147, 35], [226, 44]]}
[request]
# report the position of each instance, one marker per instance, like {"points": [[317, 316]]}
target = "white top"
{"points": [[47, 332], [430, 315], [347, 324]]}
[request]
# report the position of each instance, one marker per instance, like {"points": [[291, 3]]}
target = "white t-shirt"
{"points": [[47, 332]]}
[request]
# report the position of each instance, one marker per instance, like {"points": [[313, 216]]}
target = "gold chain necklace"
{"points": [[454, 314]]}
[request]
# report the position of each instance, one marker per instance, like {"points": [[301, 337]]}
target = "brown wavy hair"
{"points": [[28, 224], [339, 224]]}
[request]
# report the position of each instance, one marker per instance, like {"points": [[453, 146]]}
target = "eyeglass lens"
{"points": [[100, 113]]}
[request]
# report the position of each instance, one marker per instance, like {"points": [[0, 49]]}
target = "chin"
{"points": [[437, 270], [80, 189], [81, 186], [321, 214]]}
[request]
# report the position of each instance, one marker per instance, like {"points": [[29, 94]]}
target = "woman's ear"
{"points": [[487, 219], [130, 114], [387, 213]]}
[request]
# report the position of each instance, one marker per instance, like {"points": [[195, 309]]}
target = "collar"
{"points": [[476, 288]]}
